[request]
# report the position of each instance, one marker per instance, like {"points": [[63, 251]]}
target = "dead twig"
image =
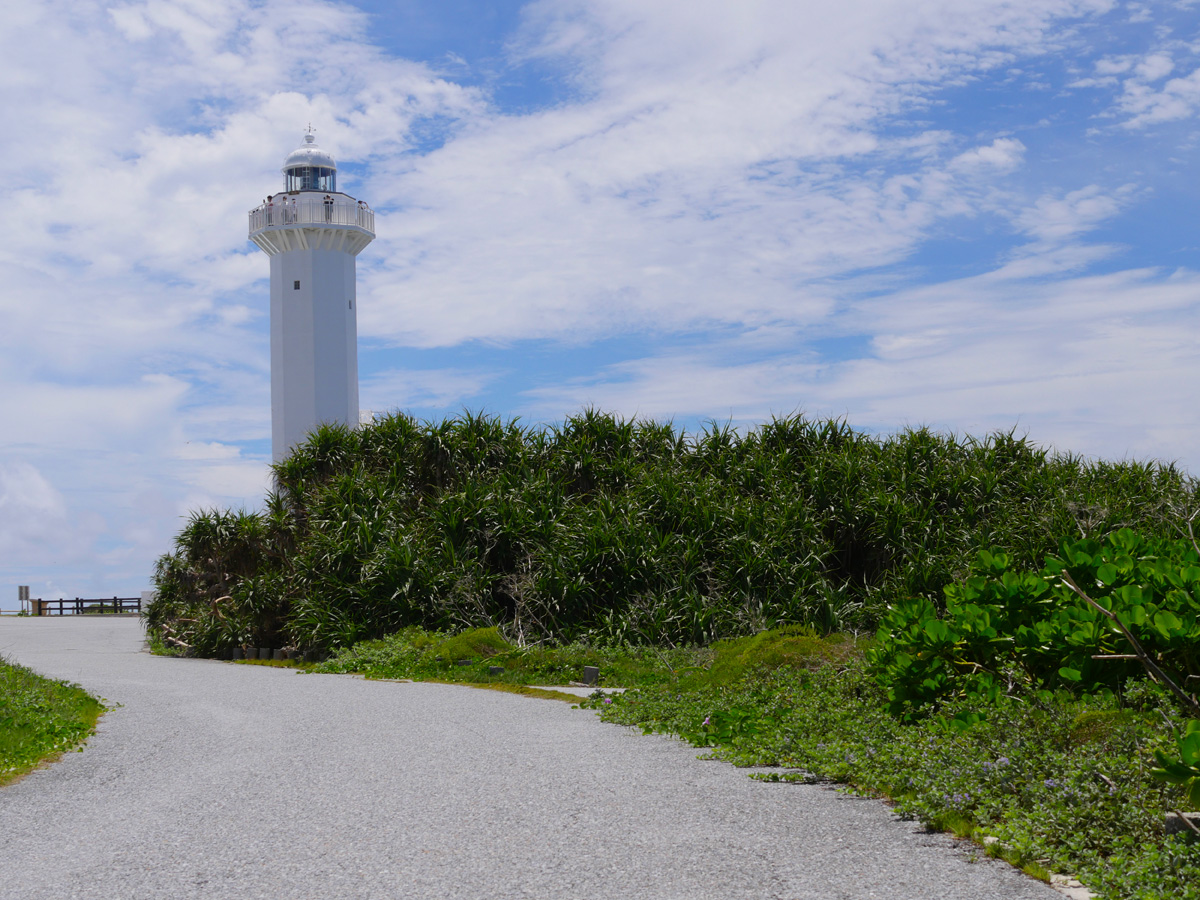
{"points": [[1186, 821], [1192, 531], [1142, 656]]}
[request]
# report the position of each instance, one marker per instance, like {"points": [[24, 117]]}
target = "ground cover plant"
{"points": [[39, 718], [484, 656], [616, 532], [1054, 781]]}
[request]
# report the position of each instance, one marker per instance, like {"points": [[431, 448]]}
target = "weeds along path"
{"points": [[214, 780]]}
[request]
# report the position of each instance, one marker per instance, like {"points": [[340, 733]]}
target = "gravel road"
{"points": [[215, 780]]}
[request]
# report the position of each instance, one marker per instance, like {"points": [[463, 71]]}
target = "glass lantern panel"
{"points": [[311, 178]]}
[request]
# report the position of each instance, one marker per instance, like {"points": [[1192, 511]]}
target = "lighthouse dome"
{"points": [[309, 168]]}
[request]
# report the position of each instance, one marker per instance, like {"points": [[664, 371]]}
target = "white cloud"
{"points": [[1114, 65], [1075, 363], [1055, 218], [1177, 99], [403, 389], [211, 450], [1155, 66], [218, 482], [1140, 12], [1141, 101], [1002, 154], [726, 155], [31, 510]]}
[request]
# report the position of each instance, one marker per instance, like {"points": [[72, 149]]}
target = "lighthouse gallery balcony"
{"points": [[305, 221]]}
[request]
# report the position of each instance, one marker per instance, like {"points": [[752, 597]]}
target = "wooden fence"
{"points": [[82, 607]]}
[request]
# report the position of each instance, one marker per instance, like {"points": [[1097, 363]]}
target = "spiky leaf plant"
{"points": [[627, 531]]}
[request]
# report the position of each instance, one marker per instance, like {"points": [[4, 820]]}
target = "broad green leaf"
{"points": [[937, 630], [1189, 748], [1168, 624], [1170, 771], [1130, 594]]}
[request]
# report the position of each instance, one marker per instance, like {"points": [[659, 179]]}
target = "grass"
{"points": [[470, 656], [520, 689], [40, 719]]}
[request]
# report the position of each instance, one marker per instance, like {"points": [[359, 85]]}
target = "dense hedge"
{"points": [[627, 531]]}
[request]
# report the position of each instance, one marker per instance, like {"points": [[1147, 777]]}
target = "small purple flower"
{"points": [[706, 719], [608, 700], [1050, 783], [1002, 761]]}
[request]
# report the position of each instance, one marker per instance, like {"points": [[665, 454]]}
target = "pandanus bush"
{"points": [[626, 531]]}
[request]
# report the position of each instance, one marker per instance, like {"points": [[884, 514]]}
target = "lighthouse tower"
{"points": [[312, 233]]}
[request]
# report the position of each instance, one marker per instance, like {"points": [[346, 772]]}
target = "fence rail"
{"points": [[82, 607]]}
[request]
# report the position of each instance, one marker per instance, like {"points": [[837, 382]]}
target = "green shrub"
{"points": [[1006, 631], [795, 646], [617, 532], [474, 643]]}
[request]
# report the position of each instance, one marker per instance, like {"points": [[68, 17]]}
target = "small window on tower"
{"points": [[295, 285]]}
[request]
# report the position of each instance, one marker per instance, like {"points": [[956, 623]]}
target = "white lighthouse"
{"points": [[312, 233]]}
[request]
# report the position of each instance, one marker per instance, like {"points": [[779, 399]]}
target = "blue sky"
{"points": [[968, 215]]}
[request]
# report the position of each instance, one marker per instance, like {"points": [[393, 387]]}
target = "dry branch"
{"points": [[1140, 654]]}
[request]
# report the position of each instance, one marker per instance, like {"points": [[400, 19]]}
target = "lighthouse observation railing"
{"points": [[311, 210]]}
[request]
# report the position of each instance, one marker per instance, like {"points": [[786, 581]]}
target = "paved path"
{"points": [[213, 780]]}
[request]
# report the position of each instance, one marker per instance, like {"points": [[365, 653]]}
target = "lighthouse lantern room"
{"points": [[312, 232]]}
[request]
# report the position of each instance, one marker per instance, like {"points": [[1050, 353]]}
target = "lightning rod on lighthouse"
{"points": [[312, 232]]}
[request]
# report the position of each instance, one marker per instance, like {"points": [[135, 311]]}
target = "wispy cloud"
{"points": [[727, 157], [1073, 362], [1054, 218]]}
